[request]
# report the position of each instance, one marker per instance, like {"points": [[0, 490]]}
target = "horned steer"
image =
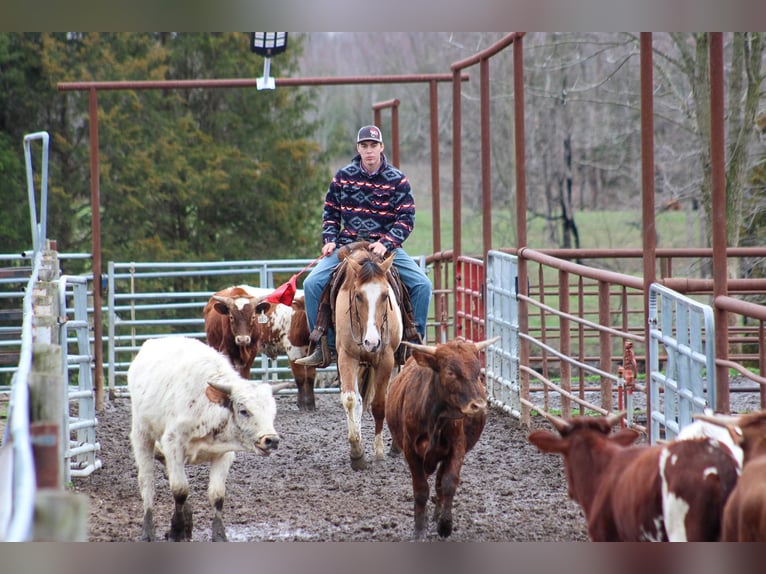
{"points": [[436, 410], [624, 489], [188, 400], [230, 326]]}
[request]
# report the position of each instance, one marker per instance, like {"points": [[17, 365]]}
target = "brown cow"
{"points": [[630, 492], [230, 326], [436, 411], [240, 323], [744, 517]]}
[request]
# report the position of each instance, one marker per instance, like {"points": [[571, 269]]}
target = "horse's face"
{"points": [[373, 310]]}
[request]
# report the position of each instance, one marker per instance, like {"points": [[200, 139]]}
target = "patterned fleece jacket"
{"points": [[375, 207]]}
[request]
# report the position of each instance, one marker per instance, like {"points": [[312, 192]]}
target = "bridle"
{"points": [[355, 317]]}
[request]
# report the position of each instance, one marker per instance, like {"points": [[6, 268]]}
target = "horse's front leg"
{"points": [[382, 376], [348, 370]]}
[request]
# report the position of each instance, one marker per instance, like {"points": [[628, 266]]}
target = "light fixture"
{"points": [[267, 44]]}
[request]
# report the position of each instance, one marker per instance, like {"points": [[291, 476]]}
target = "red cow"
{"points": [[623, 488], [241, 324], [744, 517], [436, 410]]}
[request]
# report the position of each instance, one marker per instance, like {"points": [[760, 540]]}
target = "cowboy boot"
{"points": [[321, 357]]}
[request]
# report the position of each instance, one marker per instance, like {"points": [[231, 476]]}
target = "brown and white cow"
{"points": [[744, 517], [624, 488], [231, 328], [242, 324], [284, 330], [436, 411]]}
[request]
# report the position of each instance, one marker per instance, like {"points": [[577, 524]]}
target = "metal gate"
{"points": [[685, 328], [79, 425], [502, 319]]}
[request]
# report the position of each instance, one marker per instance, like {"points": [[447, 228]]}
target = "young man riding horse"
{"points": [[369, 199]]}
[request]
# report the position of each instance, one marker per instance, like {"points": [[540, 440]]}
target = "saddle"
{"points": [[326, 310]]}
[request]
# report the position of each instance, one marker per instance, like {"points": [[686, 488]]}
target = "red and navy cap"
{"points": [[369, 133]]}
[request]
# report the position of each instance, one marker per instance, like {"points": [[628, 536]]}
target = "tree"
{"points": [[185, 174]]}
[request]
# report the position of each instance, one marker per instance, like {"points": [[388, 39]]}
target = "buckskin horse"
{"points": [[368, 329]]}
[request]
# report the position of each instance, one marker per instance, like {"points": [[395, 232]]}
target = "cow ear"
{"points": [[222, 308], [624, 437], [425, 359], [216, 396], [262, 307], [546, 441]]}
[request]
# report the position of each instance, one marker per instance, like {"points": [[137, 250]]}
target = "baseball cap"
{"points": [[369, 133]]}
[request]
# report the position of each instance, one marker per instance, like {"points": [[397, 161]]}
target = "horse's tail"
{"points": [[367, 385]]}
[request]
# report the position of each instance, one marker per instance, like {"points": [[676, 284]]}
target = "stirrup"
{"points": [[321, 357]]}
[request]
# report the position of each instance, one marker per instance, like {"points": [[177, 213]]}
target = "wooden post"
{"points": [[59, 515], [46, 382]]}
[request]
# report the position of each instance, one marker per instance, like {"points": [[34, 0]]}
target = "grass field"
{"points": [[597, 229]]}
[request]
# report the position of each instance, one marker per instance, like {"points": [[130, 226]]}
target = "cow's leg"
{"points": [[143, 452], [352, 403], [181, 524], [305, 378], [447, 480], [216, 492], [439, 499], [419, 493]]}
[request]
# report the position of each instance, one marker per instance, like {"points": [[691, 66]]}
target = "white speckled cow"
{"points": [[187, 399]]}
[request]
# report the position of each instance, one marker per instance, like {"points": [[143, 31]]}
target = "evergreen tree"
{"points": [[184, 174]]}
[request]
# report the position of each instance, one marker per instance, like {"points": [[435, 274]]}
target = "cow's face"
{"points": [[242, 318], [459, 371], [253, 410]]}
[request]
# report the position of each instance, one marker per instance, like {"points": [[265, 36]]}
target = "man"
{"points": [[369, 199]]}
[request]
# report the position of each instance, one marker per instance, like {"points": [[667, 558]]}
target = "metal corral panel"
{"points": [[502, 319], [686, 330]]}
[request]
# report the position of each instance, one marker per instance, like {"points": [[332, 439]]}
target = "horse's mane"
{"points": [[370, 268]]}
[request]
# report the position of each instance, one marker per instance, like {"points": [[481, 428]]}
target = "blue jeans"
{"points": [[417, 282]]}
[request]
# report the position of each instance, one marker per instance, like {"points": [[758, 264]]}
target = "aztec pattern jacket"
{"points": [[373, 207]]}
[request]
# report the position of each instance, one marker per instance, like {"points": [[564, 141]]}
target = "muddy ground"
{"points": [[307, 491]]}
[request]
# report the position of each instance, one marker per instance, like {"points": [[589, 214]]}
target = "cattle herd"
{"points": [[201, 407]]}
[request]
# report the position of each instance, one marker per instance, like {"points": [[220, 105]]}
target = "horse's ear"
{"points": [[388, 261], [352, 265]]}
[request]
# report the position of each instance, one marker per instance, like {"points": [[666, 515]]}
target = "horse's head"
{"points": [[372, 306]]}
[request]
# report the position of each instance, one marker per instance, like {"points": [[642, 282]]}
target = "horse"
{"points": [[368, 330]]}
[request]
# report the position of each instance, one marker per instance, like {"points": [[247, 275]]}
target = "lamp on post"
{"points": [[267, 44]]}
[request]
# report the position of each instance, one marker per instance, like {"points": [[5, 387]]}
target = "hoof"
{"points": [[359, 463], [304, 406], [444, 529]]}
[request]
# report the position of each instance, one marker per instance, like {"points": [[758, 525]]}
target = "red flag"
{"points": [[284, 293]]}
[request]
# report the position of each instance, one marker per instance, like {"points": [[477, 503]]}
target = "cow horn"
{"points": [[228, 301], [276, 387], [481, 345], [429, 350], [614, 419], [218, 386], [561, 425]]}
